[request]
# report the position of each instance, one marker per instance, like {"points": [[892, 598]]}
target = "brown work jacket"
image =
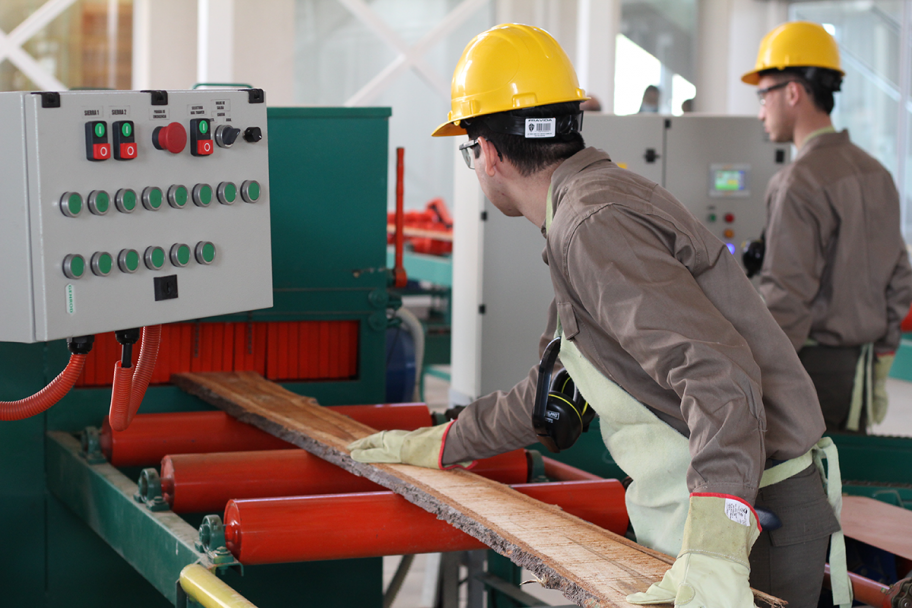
{"points": [[836, 269], [660, 306]]}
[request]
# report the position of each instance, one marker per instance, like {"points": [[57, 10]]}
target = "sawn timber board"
{"points": [[593, 567]]}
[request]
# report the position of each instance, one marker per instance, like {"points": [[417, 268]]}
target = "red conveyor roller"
{"points": [[152, 436], [204, 483], [345, 526]]}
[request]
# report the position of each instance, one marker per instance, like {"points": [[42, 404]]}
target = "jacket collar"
{"points": [[575, 164], [824, 140]]}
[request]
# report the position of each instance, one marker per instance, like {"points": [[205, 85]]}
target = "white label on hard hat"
{"points": [[541, 127], [737, 511]]}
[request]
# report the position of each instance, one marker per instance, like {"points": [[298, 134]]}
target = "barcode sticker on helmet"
{"points": [[541, 127]]}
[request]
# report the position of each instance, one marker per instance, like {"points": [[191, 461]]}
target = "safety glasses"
{"points": [[761, 93], [468, 152]]}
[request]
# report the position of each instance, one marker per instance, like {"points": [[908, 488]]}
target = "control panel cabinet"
{"points": [[130, 208]]}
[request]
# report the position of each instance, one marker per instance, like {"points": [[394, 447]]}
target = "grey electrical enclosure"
{"points": [[125, 208]]}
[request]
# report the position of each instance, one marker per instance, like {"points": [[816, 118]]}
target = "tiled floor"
{"points": [[418, 588]]}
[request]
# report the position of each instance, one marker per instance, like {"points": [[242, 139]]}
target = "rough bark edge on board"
{"points": [[385, 476]]}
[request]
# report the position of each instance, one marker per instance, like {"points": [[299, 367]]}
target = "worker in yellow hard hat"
{"points": [[701, 398], [835, 273]]}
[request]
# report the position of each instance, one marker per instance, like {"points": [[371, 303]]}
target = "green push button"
{"points": [[74, 266], [102, 263], [227, 193], [127, 129], [180, 255], [99, 202], [154, 258], [204, 126], [205, 252], [250, 191], [128, 260], [177, 196], [152, 198], [202, 195], [99, 129], [71, 204], [125, 200]]}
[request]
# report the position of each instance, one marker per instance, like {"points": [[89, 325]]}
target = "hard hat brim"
{"points": [[448, 129], [752, 77]]}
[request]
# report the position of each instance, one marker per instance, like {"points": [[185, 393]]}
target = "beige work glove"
{"points": [[712, 569], [422, 447], [882, 365]]}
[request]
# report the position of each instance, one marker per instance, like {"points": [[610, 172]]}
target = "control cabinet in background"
{"points": [[717, 166], [126, 208]]}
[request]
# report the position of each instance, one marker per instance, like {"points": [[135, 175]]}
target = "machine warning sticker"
{"points": [[91, 112], [197, 110], [119, 111], [541, 127], [737, 511], [70, 299], [159, 113]]}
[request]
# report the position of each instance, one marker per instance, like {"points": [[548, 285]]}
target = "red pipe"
{"points": [[347, 526], [558, 471], [867, 591], [203, 483], [130, 384], [153, 436], [399, 276], [46, 397]]}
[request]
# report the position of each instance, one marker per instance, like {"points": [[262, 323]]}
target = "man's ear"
{"points": [[794, 92], [492, 160]]}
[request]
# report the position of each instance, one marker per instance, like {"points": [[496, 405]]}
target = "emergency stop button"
{"points": [[97, 146], [172, 138]]}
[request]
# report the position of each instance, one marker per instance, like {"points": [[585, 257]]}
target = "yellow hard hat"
{"points": [[508, 67], [795, 44]]}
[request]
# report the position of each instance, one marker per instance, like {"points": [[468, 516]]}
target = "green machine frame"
{"points": [[328, 184]]}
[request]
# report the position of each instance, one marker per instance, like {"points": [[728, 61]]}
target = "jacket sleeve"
{"points": [[631, 282], [501, 421], [794, 261], [899, 298]]}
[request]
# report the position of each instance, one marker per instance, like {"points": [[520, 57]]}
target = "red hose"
{"points": [[130, 384], [46, 397]]}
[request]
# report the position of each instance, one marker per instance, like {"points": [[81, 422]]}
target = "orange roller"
{"points": [[203, 483], [151, 436], [345, 526]]}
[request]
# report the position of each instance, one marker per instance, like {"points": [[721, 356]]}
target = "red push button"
{"points": [[101, 151], [172, 138], [204, 147], [729, 218], [127, 151]]}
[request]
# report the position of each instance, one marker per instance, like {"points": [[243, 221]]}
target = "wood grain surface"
{"points": [[591, 566]]}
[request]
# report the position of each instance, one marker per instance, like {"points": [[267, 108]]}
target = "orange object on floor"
{"points": [[153, 436], [204, 483], [345, 526]]}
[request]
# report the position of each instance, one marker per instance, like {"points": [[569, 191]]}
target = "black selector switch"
{"points": [[97, 146], [124, 140], [253, 134], [201, 143], [225, 136]]}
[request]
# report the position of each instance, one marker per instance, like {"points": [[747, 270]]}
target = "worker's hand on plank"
{"points": [[712, 569], [422, 447]]}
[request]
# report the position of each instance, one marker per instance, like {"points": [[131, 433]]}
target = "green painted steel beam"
{"points": [[420, 267], [157, 545]]}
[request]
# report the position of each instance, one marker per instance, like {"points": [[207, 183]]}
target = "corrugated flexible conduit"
{"points": [[130, 383]]}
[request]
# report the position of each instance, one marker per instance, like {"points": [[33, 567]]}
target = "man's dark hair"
{"points": [[529, 155], [820, 83]]}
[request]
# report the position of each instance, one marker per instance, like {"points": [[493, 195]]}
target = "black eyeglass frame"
{"points": [[468, 152], [761, 93]]}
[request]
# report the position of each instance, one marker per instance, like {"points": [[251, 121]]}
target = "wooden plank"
{"points": [[593, 568], [878, 524]]}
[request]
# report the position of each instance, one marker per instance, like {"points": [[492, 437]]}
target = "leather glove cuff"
{"points": [[720, 525]]}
